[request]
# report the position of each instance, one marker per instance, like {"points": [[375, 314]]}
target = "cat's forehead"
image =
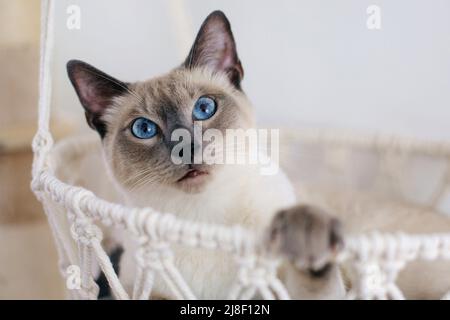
{"points": [[168, 93], [180, 84], [176, 91], [169, 96]]}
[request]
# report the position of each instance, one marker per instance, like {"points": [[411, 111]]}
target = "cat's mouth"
{"points": [[193, 174]]}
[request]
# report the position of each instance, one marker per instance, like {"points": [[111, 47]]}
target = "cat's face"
{"points": [[143, 157], [136, 120]]}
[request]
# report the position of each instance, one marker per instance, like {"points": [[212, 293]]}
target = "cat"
{"points": [[135, 122]]}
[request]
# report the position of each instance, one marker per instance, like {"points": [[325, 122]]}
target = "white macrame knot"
{"points": [[376, 280], [368, 280], [256, 271], [91, 290], [42, 142], [377, 263], [36, 187], [85, 232], [257, 274], [36, 184], [152, 255], [77, 198]]}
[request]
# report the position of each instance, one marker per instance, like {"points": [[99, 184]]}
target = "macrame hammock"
{"points": [[75, 214]]}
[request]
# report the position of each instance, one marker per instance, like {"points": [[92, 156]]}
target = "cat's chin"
{"points": [[194, 181]]}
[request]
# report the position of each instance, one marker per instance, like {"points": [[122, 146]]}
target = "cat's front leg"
{"points": [[308, 239]]}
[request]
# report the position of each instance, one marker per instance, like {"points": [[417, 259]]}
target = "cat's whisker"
{"points": [[141, 182], [138, 177]]}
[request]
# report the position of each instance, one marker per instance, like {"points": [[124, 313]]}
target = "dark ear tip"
{"points": [[218, 14], [72, 65]]}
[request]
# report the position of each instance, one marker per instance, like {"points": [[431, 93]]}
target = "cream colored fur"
{"points": [[238, 195]]}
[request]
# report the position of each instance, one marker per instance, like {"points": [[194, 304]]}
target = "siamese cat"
{"points": [[135, 122]]}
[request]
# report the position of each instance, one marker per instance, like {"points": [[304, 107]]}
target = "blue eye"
{"points": [[204, 108], [143, 128]]}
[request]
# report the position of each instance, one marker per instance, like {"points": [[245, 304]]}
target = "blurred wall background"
{"points": [[312, 63], [28, 262]]}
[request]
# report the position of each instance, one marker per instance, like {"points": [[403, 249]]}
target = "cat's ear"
{"points": [[96, 90], [214, 47]]}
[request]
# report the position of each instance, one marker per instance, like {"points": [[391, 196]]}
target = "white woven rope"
{"points": [[257, 275], [389, 252], [74, 212], [43, 140]]}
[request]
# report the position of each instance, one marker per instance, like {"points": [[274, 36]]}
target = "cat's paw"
{"points": [[307, 237]]}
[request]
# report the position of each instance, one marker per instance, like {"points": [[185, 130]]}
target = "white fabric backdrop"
{"points": [[309, 62]]}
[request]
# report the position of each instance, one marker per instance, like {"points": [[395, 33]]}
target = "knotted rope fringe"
{"points": [[157, 258], [257, 274], [389, 252]]}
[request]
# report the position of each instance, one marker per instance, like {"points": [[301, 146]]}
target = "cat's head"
{"points": [[136, 120]]}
